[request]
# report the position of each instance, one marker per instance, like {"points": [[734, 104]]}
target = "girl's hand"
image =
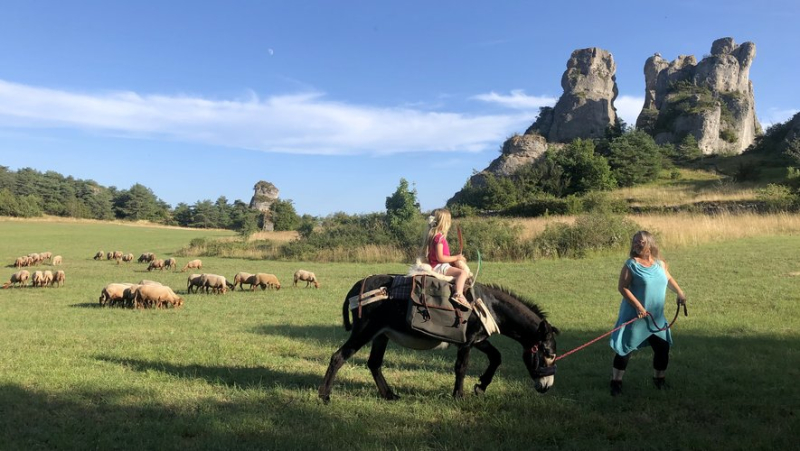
{"points": [[681, 299], [641, 312]]}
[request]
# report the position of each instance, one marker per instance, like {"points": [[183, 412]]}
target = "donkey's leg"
{"points": [[375, 363], [494, 362], [462, 362], [358, 338]]}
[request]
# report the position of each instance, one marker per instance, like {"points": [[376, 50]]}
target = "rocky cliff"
{"points": [[265, 195], [713, 99], [586, 108], [518, 151]]}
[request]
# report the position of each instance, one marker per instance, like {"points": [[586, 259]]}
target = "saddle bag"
{"points": [[431, 312]]}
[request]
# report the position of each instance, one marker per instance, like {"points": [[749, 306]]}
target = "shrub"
{"points": [[592, 232], [778, 198], [635, 158]]}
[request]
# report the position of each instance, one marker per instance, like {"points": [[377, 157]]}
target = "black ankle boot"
{"points": [[616, 388], [660, 383]]}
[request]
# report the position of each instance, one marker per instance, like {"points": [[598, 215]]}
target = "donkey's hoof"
{"points": [[478, 390]]}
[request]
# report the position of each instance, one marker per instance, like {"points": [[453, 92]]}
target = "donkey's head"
{"points": [[540, 357]]}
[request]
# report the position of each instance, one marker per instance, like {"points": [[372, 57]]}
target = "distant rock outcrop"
{"points": [[713, 99], [586, 109], [518, 151], [265, 195]]}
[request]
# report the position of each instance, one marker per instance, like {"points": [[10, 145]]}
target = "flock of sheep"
{"points": [[38, 279], [148, 293]]}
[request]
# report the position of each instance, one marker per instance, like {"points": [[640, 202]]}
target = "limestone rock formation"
{"points": [[586, 109], [713, 99], [518, 151], [265, 195]]}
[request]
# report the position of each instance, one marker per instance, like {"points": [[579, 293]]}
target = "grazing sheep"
{"points": [[99, 255], [241, 278], [59, 279], [216, 283], [34, 259], [149, 282], [112, 294], [156, 264], [194, 264], [48, 278], [57, 260], [147, 257], [264, 280], [20, 262], [170, 263], [194, 280], [109, 255], [19, 278], [117, 255], [306, 276], [37, 279], [157, 296], [46, 255], [127, 258]]}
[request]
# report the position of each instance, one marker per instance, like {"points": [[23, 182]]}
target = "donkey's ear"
{"points": [[542, 329]]}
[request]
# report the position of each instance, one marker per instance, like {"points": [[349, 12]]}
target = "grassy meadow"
{"points": [[241, 370]]}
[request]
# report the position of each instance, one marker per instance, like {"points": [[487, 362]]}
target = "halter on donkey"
{"points": [[382, 321]]}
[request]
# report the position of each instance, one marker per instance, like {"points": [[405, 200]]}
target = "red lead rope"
{"points": [[623, 325]]}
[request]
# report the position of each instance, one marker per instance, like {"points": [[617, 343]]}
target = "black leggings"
{"points": [[660, 355]]}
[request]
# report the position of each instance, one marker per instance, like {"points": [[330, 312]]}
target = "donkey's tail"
{"points": [[346, 315]]}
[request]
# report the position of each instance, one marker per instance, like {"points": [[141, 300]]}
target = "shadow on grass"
{"points": [[223, 375], [86, 305]]}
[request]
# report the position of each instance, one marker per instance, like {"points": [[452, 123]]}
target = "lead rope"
{"points": [[685, 313]]}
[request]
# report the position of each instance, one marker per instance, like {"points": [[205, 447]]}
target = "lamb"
{"points": [[264, 280], [242, 278], [57, 260], [306, 276], [194, 264], [19, 278]]}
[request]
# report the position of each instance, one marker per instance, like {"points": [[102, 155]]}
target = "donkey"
{"points": [[382, 321]]}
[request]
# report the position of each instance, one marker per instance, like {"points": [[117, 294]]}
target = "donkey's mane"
{"points": [[506, 294]]}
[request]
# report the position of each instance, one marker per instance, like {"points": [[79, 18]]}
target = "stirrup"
{"points": [[461, 300]]}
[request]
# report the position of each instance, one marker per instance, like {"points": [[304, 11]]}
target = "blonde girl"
{"points": [[437, 252]]}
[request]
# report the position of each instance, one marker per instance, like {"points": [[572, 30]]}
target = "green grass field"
{"points": [[241, 370]]}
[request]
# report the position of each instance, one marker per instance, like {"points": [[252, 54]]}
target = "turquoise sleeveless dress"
{"points": [[649, 285]]}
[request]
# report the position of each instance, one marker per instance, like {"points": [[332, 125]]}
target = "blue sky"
{"points": [[332, 102]]}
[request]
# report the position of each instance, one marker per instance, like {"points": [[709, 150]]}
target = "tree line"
{"points": [[28, 193]]}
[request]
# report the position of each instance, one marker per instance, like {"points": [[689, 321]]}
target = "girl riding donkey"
{"points": [[437, 251]]}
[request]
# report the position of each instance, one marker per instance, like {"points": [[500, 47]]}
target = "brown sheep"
{"points": [[216, 283], [59, 278], [46, 255], [127, 258], [264, 280], [57, 260], [19, 278], [99, 255], [170, 263], [37, 279], [241, 278], [149, 282], [34, 259], [194, 280], [157, 296], [306, 276], [48, 278], [21, 261], [112, 294], [194, 264], [147, 257], [156, 264]]}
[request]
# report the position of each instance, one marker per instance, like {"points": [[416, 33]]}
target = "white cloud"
{"points": [[517, 100], [304, 123], [628, 108]]}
